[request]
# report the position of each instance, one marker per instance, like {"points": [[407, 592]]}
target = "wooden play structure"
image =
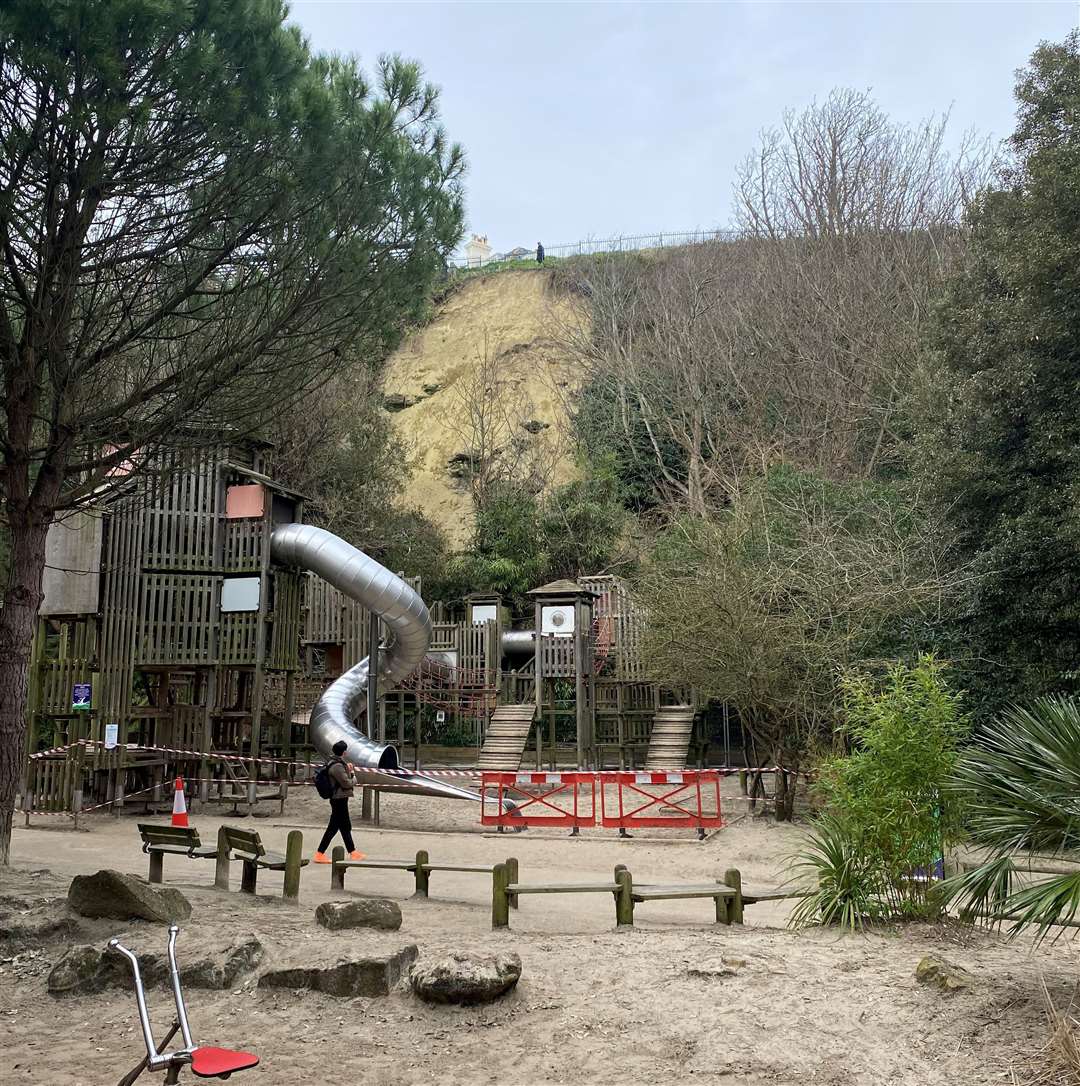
{"points": [[170, 642]]}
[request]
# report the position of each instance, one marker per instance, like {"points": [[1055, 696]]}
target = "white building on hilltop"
{"points": [[477, 251]]}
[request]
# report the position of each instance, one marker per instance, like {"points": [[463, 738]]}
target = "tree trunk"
{"points": [[784, 799], [18, 616]]}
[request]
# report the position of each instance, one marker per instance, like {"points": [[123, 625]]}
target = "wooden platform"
{"points": [[669, 742], [507, 734]]}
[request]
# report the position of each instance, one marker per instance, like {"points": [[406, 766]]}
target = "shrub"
{"points": [[887, 814]]}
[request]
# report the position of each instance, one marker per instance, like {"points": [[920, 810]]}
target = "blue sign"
{"points": [[80, 697]]}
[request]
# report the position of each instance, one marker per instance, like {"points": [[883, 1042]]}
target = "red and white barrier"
{"points": [[687, 798], [540, 799]]}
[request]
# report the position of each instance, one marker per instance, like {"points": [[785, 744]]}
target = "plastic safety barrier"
{"points": [[540, 799], [670, 799]]}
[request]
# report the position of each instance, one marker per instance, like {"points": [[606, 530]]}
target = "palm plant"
{"points": [[1021, 784], [845, 886]]}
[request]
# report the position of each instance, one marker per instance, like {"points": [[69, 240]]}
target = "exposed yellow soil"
{"points": [[514, 317]]}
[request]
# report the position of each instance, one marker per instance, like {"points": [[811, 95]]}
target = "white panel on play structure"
{"points": [[240, 594], [557, 621], [485, 612]]}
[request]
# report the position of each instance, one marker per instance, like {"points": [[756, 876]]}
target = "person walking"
{"points": [[341, 774], [539, 253]]}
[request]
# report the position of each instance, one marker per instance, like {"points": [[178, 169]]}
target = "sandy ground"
{"points": [[675, 1000], [511, 315]]}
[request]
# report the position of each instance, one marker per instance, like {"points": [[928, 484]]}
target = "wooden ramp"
{"points": [[507, 733], [669, 741]]}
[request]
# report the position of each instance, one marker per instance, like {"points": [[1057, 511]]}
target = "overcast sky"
{"points": [[598, 119]]}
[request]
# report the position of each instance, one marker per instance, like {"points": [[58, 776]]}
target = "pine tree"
{"points": [[199, 220]]}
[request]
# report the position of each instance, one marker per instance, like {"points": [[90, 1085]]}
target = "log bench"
{"points": [[157, 841], [505, 890], [727, 894], [247, 847], [421, 867]]}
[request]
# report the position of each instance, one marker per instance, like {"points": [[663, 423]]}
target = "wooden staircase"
{"points": [[669, 741], [507, 733]]}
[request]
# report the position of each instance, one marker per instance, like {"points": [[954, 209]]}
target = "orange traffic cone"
{"points": [[179, 804]]}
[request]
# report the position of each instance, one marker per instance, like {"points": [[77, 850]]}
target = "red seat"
{"points": [[220, 1062]]}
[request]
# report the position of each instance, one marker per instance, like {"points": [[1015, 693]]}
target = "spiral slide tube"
{"points": [[374, 587]]}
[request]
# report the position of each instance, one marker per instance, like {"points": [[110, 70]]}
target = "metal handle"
{"points": [[178, 995], [140, 997]]}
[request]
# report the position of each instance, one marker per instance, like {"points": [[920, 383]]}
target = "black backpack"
{"points": [[324, 783]]}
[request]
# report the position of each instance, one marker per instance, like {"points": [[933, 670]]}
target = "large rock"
{"points": [[942, 974], [85, 969], [126, 897], [361, 977], [465, 978], [367, 912]]}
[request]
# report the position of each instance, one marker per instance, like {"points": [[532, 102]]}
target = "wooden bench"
{"points": [[727, 894], [178, 840], [249, 797], [246, 846], [505, 890], [421, 867]]}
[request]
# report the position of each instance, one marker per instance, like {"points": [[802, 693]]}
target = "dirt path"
{"points": [[675, 1000]]}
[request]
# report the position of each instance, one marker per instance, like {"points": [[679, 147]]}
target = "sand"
{"points": [[514, 312], [675, 1000]]}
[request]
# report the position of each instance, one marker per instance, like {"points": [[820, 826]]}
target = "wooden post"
{"points": [[221, 871], [422, 875], [624, 900], [337, 872], [742, 781], [733, 878], [249, 873], [252, 788], [500, 906], [156, 862], [76, 805], [290, 710], [373, 676], [723, 907], [294, 851], [512, 876]]}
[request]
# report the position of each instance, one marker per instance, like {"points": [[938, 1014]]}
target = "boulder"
{"points": [[466, 979], [364, 912], [942, 974], [75, 971], [360, 977], [126, 897], [85, 969]]}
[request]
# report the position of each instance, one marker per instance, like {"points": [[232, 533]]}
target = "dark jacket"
{"points": [[342, 778]]}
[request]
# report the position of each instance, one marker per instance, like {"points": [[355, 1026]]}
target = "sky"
{"points": [[592, 120]]}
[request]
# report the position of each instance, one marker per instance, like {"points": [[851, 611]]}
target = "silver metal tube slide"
{"points": [[373, 586], [518, 642]]}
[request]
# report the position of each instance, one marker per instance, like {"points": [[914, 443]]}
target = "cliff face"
{"points": [[485, 370]]}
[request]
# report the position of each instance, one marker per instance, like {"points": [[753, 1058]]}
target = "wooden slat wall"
{"points": [[236, 640], [179, 613], [182, 513], [285, 629], [121, 595]]}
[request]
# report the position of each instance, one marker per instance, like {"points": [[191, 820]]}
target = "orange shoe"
{"points": [[320, 858], [357, 856]]}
